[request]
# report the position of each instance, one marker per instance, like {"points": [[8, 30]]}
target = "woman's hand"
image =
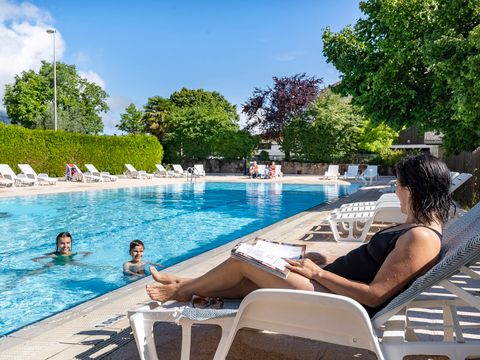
{"points": [[305, 267]]}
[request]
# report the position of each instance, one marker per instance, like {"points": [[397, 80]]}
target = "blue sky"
{"points": [[140, 49]]}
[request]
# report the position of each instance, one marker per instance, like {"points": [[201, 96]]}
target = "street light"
{"points": [[53, 31]]}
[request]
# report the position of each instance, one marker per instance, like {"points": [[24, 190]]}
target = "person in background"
{"points": [[254, 170], [272, 169]]}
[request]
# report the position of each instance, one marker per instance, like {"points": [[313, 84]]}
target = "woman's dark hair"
{"points": [[63, 234], [135, 243], [428, 180]]}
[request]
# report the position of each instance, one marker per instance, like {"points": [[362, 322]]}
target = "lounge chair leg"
{"points": [[186, 340], [143, 333]]}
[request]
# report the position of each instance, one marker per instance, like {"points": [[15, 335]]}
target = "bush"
{"points": [[263, 156], [48, 151]]}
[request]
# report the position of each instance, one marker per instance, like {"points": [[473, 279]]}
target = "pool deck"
{"points": [[99, 329]]}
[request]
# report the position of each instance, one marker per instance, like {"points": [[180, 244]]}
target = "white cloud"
{"points": [[24, 41], [92, 76], [288, 56]]}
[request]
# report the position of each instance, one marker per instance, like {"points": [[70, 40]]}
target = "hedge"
{"points": [[48, 151]]}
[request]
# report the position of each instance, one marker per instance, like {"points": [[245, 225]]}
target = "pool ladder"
{"points": [[192, 174]]}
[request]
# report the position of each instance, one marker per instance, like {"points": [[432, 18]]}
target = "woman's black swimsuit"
{"points": [[363, 263]]}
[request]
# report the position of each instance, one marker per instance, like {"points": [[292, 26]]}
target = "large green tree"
{"points": [[326, 131], [190, 123], [29, 100], [414, 62], [132, 120]]}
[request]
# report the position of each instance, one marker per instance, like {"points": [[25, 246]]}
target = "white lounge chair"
{"points": [[370, 173], [340, 320], [178, 170], [18, 180], [75, 174], [278, 171], [104, 175], [199, 170], [354, 225], [161, 171], [40, 179], [136, 174], [4, 182], [261, 171], [351, 173], [332, 172]]}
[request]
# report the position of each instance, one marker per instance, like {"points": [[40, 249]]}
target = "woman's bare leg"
{"points": [[165, 279], [229, 279]]}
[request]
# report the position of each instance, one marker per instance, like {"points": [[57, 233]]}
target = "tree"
{"points": [[190, 123], [132, 121], [29, 100], [272, 109], [325, 131], [414, 62]]}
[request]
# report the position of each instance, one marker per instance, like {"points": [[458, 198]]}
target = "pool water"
{"points": [[175, 222]]}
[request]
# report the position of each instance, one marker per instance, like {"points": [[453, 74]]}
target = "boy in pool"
{"points": [[136, 266], [63, 253]]}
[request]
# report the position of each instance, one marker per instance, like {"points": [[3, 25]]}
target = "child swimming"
{"points": [[136, 266], [63, 253]]}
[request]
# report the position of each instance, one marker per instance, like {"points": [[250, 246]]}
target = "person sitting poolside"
{"points": [[272, 169], [371, 274], [254, 170], [63, 253]]}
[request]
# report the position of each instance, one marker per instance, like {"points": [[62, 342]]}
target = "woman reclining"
{"points": [[371, 274]]}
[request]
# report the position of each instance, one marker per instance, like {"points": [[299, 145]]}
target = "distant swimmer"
{"points": [[63, 253]]}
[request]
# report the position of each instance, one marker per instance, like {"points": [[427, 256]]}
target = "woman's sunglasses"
{"points": [[202, 302]]}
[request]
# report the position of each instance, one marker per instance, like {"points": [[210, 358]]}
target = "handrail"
{"points": [[192, 172]]}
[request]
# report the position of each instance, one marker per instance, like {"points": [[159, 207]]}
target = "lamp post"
{"points": [[53, 31]]}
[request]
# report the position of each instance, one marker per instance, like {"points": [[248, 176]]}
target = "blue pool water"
{"points": [[175, 222]]}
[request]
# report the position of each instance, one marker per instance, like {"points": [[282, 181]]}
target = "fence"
{"points": [[469, 193]]}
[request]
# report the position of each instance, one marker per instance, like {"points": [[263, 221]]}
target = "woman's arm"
{"points": [[42, 257], [414, 253]]}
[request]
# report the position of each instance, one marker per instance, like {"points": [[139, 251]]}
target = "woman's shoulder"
{"points": [[421, 236]]}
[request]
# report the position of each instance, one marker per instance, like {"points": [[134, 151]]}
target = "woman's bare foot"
{"points": [[164, 293], [165, 279]]}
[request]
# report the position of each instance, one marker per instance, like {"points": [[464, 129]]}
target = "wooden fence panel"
{"points": [[469, 193]]}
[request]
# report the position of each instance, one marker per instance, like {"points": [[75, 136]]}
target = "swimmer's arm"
{"points": [[43, 257], [84, 253]]}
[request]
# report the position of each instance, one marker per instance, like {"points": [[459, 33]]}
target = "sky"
{"points": [[139, 49]]}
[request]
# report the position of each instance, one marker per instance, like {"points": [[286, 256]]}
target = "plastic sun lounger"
{"points": [[332, 172], [199, 170], [40, 179], [161, 171], [104, 175], [341, 320], [351, 173], [136, 174], [178, 170], [20, 180], [354, 218]]}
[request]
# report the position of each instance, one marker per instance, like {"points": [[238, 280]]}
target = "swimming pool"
{"points": [[175, 222]]}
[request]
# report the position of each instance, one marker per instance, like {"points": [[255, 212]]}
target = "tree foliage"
{"points": [[132, 120], [325, 132], [271, 110], [29, 100], [414, 62], [196, 124]]}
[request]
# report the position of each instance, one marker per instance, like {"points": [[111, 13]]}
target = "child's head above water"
{"points": [[64, 243], [136, 250]]}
